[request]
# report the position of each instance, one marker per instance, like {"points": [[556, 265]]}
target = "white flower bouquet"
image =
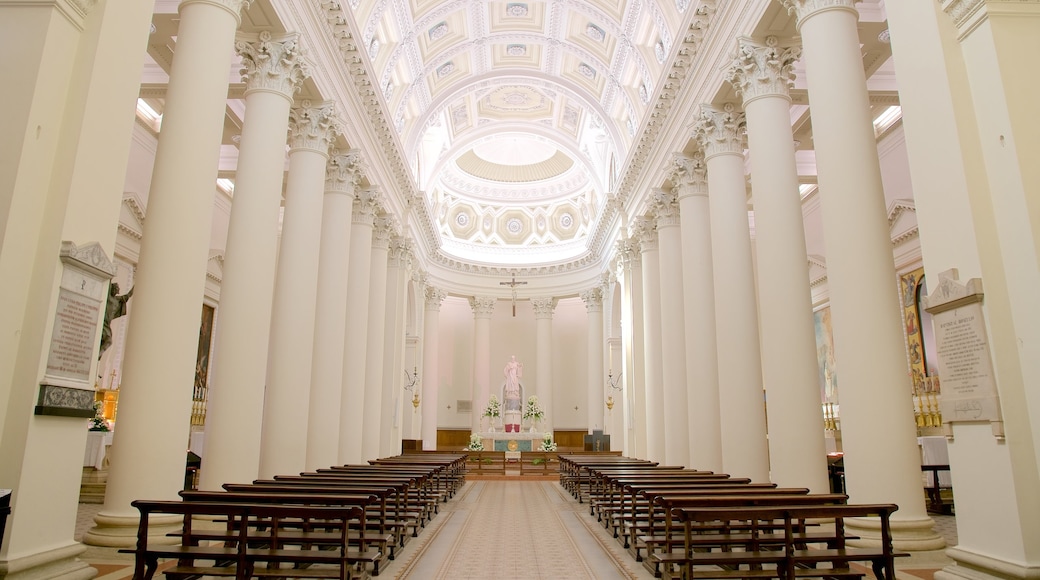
{"points": [[532, 410], [475, 443], [547, 443], [493, 408]]}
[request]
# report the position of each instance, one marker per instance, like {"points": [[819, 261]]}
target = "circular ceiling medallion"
{"points": [[514, 226], [462, 219], [566, 220]]}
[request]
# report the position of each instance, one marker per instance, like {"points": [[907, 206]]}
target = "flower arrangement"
{"points": [[547, 443], [532, 410], [493, 408], [475, 443], [98, 422]]}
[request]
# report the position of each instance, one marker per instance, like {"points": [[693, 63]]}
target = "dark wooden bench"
{"points": [[771, 543], [257, 541]]}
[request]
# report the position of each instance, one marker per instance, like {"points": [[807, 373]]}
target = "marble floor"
{"points": [[507, 528]]}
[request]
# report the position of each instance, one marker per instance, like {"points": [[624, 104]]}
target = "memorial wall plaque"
{"points": [[67, 388], [969, 390]]}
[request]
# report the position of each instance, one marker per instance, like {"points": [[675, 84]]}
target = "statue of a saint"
{"points": [[513, 372], [115, 308]]}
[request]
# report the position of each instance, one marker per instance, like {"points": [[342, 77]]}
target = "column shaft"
{"points": [[430, 370], [326, 392], [744, 448], [543, 315], [395, 410], [652, 371], [286, 408], [375, 421], [673, 334], [880, 464], [355, 345], [483, 307], [702, 369], [633, 359], [162, 336], [234, 414], [593, 299], [798, 456]]}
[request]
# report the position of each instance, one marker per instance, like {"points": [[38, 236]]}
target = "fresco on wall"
{"points": [[909, 285], [825, 355]]}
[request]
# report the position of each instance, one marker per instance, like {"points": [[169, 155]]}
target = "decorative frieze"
{"points": [[434, 297], [344, 171], [544, 307], [314, 126], [272, 63], [593, 299], [483, 306], [689, 175], [720, 131], [763, 70]]}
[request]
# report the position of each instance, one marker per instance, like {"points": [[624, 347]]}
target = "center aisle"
{"points": [[515, 529]]}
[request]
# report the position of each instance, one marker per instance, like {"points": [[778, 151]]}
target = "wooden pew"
{"points": [[772, 543], [257, 540]]}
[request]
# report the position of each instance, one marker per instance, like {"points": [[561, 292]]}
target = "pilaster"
{"points": [[645, 230], [483, 307], [384, 228], [431, 331], [593, 299]]}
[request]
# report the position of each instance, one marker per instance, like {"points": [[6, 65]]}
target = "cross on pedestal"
{"points": [[513, 284]]}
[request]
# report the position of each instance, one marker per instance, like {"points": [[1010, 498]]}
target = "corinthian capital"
{"points": [[343, 172], [544, 307], [763, 70], [483, 306], [803, 9], [314, 126], [720, 131], [383, 228], [235, 7], [665, 208], [434, 297], [645, 231], [367, 203], [272, 63], [628, 252], [593, 299], [689, 175]]}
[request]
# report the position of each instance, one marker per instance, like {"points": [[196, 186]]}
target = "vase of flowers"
{"points": [[547, 443], [492, 411], [475, 443], [533, 411]]}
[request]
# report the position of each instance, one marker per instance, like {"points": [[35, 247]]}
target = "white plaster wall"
{"points": [[570, 365]]}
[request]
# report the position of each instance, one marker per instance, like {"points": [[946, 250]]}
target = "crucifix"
{"points": [[513, 284]]}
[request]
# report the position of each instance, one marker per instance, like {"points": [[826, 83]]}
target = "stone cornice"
{"points": [[720, 132], [763, 70], [314, 127], [272, 63], [344, 172], [483, 306]]}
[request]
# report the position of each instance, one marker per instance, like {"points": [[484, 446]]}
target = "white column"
{"points": [[653, 374], [430, 370], [881, 465], [593, 299], [312, 130], [761, 74], [688, 176], [673, 334], [633, 359], [483, 307], [273, 70], [163, 334], [393, 349], [375, 421], [996, 481], [543, 315], [343, 174], [355, 345], [744, 448]]}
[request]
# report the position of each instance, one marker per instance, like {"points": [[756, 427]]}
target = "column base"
{"points": [[121, 531], [912, 535], [974, 566], [60, 563]]}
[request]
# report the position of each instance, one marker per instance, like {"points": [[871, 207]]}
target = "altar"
{"points": [[523, 441]]}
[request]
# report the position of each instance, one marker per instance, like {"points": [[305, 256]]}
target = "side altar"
{"points": [[499, 441]]}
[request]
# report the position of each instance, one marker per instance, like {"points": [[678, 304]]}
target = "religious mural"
{"points": [[825, 355]]}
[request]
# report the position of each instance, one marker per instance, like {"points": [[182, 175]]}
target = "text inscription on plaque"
{"points": [[969, 392], [75, 332]]}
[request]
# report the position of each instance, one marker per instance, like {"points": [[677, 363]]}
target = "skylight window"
{"points": [[887, 118], [147, 114]]}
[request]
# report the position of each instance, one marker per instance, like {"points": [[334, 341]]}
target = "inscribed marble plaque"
{"points": [[72, 341]]}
